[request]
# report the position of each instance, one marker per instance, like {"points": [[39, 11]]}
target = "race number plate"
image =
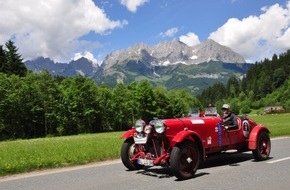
{"points": [[145, 162]]}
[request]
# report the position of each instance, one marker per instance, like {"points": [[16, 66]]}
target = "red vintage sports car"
{"points": [[182, 143]]}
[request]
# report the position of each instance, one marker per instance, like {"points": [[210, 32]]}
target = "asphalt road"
{"points": [[226, 171]]}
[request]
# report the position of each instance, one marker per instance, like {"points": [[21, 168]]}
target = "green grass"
{"points": [[27, 155], [278, 124]]}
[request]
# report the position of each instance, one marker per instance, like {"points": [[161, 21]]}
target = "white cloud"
{"points": [[52, 28], [257, 37], [169, 33], [132, 5], [87, 55], [190, 39]]}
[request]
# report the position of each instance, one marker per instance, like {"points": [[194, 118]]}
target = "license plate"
{"points": [[140, 140], [145, 162]]}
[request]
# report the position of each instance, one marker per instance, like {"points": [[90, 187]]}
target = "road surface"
{"points": [[226, 171]]}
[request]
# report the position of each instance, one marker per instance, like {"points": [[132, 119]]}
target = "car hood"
{"points": [[173, 126]]}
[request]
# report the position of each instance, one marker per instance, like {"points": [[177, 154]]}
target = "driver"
{"points": [[229, 118]]}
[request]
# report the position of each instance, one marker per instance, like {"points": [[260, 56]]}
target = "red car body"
{"points": [[182, 143]]}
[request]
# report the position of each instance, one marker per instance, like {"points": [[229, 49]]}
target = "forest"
{"points": [[267, 83], [34, 105]]}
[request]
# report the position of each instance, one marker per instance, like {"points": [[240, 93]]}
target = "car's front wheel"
{"points": [[127, 152], [263, 148], [184, 160]]}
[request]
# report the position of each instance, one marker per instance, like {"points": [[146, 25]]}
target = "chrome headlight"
{"points": [[139, 125], [159, 126]]}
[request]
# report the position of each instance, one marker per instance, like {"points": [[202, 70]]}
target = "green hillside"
{"points": [[195, 78]]}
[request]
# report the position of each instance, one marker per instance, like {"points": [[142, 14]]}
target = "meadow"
{"points": [[278, 124], [27, 155], [20, 156]]}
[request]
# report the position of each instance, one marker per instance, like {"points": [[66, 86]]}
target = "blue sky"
{"points": [[64, 29]]}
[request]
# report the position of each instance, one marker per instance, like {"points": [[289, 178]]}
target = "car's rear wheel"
{"points": [[184, 160], [127, 152], [263, 148]]}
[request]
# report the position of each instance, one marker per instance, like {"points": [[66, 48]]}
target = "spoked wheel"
{"points": [[184, 160], [263, 149], [127, 152]]}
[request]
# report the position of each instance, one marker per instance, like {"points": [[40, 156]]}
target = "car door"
{"points": [[232, 136]]}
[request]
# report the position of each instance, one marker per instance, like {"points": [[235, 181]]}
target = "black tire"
{"points": [[127, 151], [184, 160], [263, 148]]}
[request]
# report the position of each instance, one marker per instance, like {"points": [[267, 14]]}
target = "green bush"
{"points": [[245, 109]]}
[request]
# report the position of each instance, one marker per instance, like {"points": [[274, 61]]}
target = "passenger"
{"points": [[211, 111], [229, 118]]}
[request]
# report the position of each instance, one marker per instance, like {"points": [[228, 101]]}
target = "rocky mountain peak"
{"points": [[170, 52], [173, 52], [211, 50]]}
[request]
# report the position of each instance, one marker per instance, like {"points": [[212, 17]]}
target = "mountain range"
{"points": [[82, 66], [171, 64]]}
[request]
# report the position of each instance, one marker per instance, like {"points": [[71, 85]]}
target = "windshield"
{"points": [[211, 111], [194, 112]]}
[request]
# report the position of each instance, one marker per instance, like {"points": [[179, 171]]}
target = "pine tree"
{"points": [[2, 59], [13, 64]]}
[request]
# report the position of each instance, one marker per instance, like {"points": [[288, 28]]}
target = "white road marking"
{"points": [[57, 170], [279, 160], [279, 138]]}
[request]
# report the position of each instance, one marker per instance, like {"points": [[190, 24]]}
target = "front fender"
{"points": [[128, 134], [179, 137], [190, 135], [254, 136]]}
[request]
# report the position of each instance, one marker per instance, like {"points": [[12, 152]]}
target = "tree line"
{"points": [[266, 83], [38, 104]]}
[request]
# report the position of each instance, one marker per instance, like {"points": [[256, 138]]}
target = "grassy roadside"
{"points": [[278, 124], [27, 155]]}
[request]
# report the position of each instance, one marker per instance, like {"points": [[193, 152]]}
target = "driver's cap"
{"points": [[226, 106]]}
